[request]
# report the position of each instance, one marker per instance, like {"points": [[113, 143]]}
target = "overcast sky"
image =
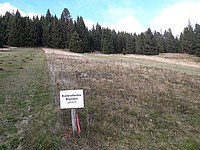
{"points": [[123, 15]]}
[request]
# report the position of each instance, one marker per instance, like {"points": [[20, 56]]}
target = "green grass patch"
{"points": [[27, 107]]}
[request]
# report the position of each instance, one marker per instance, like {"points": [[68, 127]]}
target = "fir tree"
{"points": [[96, 37], [65, 16], [16, 31], [107, 46], [70, 31], [6, 23], [197, 39], [160, 43], [37, 30], [188, 39], [140, 44], [56, 33], [149, 44], [65, 34], [130, 44], [169, 42], [47, 29], [83, 33], [1, 32], [76, 44], [116, 43]]}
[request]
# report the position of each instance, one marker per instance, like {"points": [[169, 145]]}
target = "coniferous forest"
{"points": [[65, 32]]}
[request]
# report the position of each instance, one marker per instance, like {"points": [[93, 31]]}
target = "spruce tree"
{"points": [[65, 35], [37, 23], [140, 44], [122, 41], [65, 16], [16, 31], [107, 46], [115, 42], [169, 42], [96, 34], [197, 40], [76, 44], [149, 44], [83, 33], [47, 29], [160, 43], [56, 33], [70, 31], [188, 39], [1, 32], [6, 22], [130, 44]]}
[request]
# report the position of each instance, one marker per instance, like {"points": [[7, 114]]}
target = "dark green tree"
{"points": [[160, 42], [6, 23], [83, 33], [65, 16], [96, 33], [116, 43], [37, 31], [76, 44], [17, 30], [47, 29], [150, 44], [65, 33], [188, 39], [170, 44], [121, 42], [197, 40], [1, 32], [130, 44], [70, 31], [107, 46], [56, 33], [140, 44]]}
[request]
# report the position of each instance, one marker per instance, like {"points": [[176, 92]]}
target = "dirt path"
{"points": [[7, 49], [60, 52], [178, 59]]}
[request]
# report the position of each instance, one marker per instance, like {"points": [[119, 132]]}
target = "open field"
{"points": [[130, 103]]}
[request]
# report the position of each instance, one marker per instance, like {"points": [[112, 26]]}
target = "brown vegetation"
{"points": [[128, 106]]}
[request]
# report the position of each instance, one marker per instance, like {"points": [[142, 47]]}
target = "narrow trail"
{"points": [[179, 62]]}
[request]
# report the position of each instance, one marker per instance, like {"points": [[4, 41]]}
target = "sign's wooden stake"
{"points": [[74, 125]]}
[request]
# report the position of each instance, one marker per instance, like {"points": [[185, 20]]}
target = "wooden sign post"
{"points": [[74, 125], [72, 99]]}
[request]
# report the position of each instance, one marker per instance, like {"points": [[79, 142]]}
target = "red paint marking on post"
{"points": [[78, 124]]}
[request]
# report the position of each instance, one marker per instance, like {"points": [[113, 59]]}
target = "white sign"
{"points": [[71, 99]]}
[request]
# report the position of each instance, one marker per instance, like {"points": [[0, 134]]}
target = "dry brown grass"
{"points": [[128, 106]]}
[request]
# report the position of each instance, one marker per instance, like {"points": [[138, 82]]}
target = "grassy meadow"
{"points": [[129, 103], [27, 106]]}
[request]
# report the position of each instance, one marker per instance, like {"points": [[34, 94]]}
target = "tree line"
{"points": [[64, 32]]}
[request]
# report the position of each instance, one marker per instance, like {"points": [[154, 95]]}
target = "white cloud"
{"points": [[89, 23], [114, 13], [127, 23], [122, 19], [176, 16], [7, 7], [119, 19]]}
